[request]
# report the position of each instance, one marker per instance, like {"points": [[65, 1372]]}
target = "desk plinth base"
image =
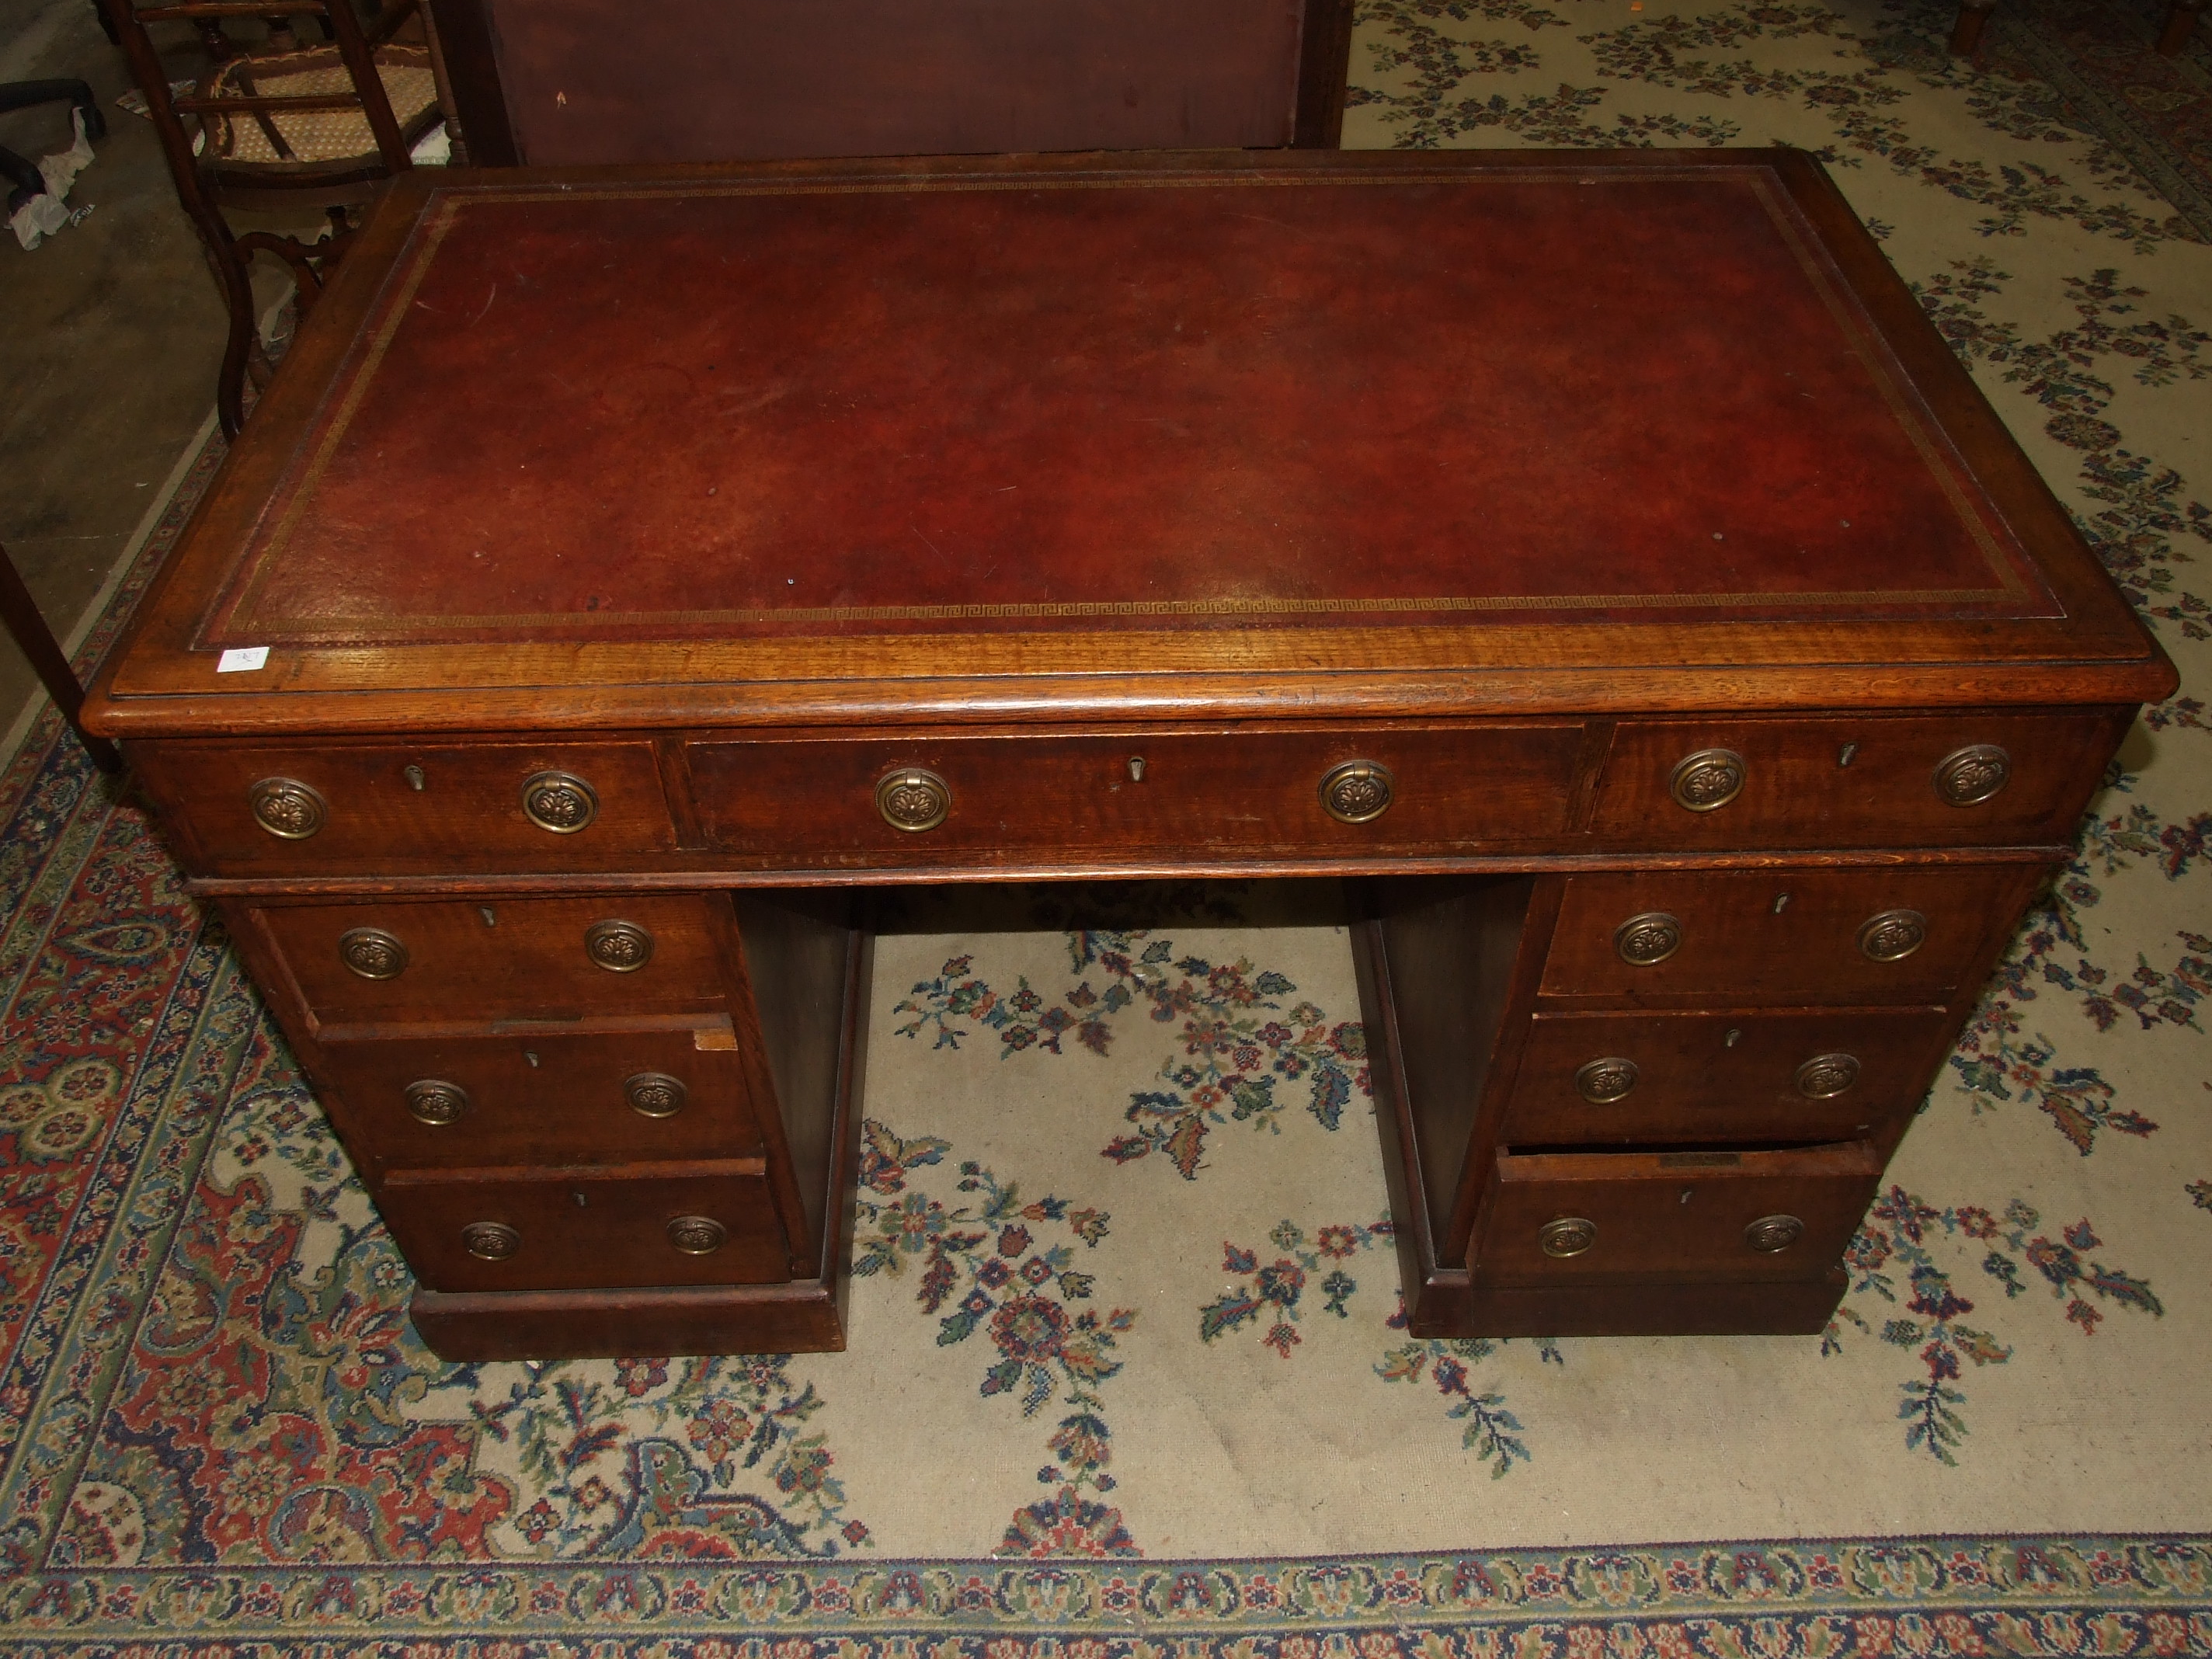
{"points": [[803, 1317], [1451, 1302]]}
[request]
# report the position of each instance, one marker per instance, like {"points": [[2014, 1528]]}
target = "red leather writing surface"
{"points": [[645, 412]]}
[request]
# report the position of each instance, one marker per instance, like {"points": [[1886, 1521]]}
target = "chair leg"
{"points": [[21, 614], [231, 270], [2180, 23], [1966, 31]]}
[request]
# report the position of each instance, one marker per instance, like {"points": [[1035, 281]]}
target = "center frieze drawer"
{"points": [[586, 1228], [443, 960], [1686, 1078], [1880, 934], [1572, 1216], [380, 808], [549, 1098], [832, 801]]}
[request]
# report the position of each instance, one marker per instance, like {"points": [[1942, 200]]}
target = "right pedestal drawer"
{"points": [[1568, 1216], [1689, 1078], [1868, 935]]}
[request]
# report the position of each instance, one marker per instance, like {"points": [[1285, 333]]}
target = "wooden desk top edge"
{"points": [[156, 683]]}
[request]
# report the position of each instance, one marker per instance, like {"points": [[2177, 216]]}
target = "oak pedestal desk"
{"points": [[1597, 555]]}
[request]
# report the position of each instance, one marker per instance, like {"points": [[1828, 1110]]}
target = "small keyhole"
{"points": [[1846, 754], [489, 919], [1686, 1191], [1136, 768], [582, 1205], [1781, 902], [415, 779], [1734, 1035], [530, 1054]]}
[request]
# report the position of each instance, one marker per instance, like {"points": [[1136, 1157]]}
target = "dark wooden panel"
{"points": [[585, 1228], [505, 958], [1203, 794], [1731, 1076], [802, 961], [1742, 940], [465, 38], [466, 813], [549, 1098], [1858, 780], [1674, 1215], [726, 80]]}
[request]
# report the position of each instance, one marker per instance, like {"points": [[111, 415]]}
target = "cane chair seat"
{"points": [[291, 138]]}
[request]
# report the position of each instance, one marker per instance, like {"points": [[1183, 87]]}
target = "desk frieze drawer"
{"points": [[1653, 1215], [832, 801], [436, 960], [340, 808], [549, 1098], [587, 1230], [1692, 1078], [1869, 936], [1864, 780]]}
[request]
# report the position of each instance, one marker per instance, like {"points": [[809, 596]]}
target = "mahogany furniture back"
{"points": [[578, 82]]}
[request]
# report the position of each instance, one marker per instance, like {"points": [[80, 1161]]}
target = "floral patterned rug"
{"points": [[1128, 1373]]}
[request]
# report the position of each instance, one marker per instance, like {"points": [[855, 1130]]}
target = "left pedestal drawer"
{"points": [[549, 1098], [515, 1229]]}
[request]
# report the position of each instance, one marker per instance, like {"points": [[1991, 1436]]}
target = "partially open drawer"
{"points": [[1668, 1215]]}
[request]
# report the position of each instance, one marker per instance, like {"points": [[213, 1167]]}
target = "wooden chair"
{"points": [[321, 127], [2181, 17]]}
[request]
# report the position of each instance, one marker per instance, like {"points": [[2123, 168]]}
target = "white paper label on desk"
{"points": [[240, 658]]}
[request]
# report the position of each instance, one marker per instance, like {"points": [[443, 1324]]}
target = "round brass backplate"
{"points": [[1601, 1082], [491, 1240], [1358, 792], [1771, 1234], [1968, 776], [654, 1094], [372, 953], [1892, 935], [1707, 781], [559, 801], [620, 947], [1570, 1235], [697, 1234], [913, 799], [436, 1102], [1648, 938], [1826, 1075], [287, 808]]}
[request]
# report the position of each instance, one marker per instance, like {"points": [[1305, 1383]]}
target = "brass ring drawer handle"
{"points": [[560, 802], [913, 799], [491, 1240], [1826, 1075], [1570, 1235], [1646, 939], [1892, 936], [1969, 776], [1707, 781], [287, 808], [1772, 1234], [372, 953], [1603, 1081], [654, 1094], [620, 947], [435, 1102], [1358, 792], [697, 1234]]}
